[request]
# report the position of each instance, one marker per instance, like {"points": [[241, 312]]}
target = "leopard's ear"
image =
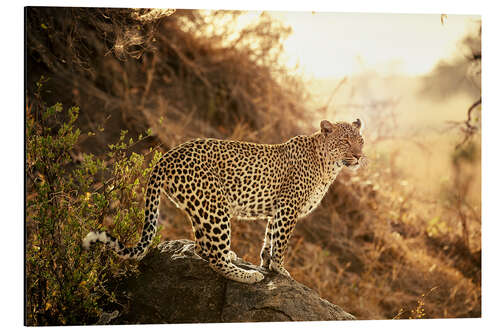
{"points": [[357, 124], [326, 127]]}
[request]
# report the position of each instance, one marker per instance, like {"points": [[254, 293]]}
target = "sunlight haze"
{"points": [[339, 44]]}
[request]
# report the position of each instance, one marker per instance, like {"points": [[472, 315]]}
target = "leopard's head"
{"points": [[343, 142]]}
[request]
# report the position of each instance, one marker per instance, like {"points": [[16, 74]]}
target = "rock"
{"points": [[174, 285]]}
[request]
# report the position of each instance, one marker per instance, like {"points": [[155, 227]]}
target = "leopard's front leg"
{"points": [[282, 228], [265, 253]]}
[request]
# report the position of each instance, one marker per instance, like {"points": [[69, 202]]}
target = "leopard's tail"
{"points": [[155, 184]]}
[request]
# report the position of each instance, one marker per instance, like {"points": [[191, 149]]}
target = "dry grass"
{"points": [[173, 74]]}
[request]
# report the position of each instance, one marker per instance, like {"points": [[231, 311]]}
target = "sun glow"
{"points": [[339, 44]]}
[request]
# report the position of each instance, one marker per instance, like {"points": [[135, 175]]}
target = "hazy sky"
{"points": [[335, 45]]}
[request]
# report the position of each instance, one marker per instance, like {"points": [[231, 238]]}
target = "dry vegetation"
{"points": [[377, 245]]}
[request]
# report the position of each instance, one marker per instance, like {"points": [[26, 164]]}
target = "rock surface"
{"points": [[174, 285]]}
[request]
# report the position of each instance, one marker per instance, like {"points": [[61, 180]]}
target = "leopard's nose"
{"points": [[357, 155]]}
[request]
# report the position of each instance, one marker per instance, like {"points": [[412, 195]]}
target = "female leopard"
{"points": [[215, 180]]}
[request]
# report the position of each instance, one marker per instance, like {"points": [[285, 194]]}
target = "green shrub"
{"points": [[67, 196]]}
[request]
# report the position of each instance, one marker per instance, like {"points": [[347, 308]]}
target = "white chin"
{"points": [[353, 167]]}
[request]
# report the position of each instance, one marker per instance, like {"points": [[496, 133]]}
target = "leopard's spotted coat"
{"points": [[215, 180]]}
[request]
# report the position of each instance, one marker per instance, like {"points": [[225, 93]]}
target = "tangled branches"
{"points": [[188, 67]]}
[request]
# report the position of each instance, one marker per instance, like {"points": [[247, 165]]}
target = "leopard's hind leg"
{"points": [[209, 212]]}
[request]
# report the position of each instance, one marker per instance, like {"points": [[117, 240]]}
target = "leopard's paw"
{"points": [[273, 266]]}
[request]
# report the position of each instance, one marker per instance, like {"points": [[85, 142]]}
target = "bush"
{"points": [[67, 196], [203, 81]]}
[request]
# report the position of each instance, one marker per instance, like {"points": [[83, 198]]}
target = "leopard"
{"points": [[215, 181]]}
